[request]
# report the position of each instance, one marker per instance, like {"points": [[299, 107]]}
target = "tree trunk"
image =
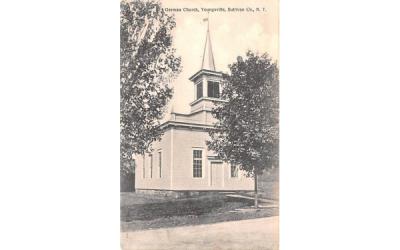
{"points": [[255, 190]]}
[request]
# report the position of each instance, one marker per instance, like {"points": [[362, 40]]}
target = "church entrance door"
{"points": [[216, 174]]}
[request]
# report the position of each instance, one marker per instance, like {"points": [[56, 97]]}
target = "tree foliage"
{"points": [[147, 64], [246, 133]]}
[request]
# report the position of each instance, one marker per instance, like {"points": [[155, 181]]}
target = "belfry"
{"points": [[207, 80]]}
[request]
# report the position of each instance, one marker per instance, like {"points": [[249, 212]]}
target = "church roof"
{"points": [[208, 57], [207, 64]]}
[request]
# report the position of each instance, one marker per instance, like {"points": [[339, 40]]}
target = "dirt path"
{"points": [[245, 234]]}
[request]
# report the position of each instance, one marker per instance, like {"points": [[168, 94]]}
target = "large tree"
{"points": [[147, 64], [246, 133]]}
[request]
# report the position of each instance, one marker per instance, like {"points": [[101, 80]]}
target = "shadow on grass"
{"points": [[182, 207]]}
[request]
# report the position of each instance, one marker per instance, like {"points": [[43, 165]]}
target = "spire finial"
{"points": [[208, 21], [208, 57]]}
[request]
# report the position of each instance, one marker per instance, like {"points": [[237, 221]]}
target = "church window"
{"points": [[151, 166], [197, 163], [234, 171], [199, 90], [213, 89], [159, 163], [144, 167]]}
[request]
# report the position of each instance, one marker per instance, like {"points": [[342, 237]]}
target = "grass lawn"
{"points": [[139, 212]]}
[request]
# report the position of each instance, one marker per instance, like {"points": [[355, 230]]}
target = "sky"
{"points": [[232, 34]]}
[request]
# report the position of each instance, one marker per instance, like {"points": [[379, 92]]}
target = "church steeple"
{"points": [[208, 57], [207, 80]]}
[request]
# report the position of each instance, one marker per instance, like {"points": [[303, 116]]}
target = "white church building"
{"points": [[180, 161]]}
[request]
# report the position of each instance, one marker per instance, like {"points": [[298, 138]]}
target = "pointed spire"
{"points": [[208, 57]]}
